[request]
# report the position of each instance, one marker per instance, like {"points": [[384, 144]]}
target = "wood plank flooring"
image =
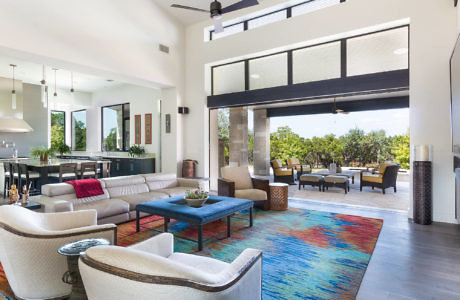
{"points": [[410, 261]]}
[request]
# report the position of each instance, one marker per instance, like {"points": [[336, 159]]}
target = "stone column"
{"points": [[238, 137], [261, 143]]}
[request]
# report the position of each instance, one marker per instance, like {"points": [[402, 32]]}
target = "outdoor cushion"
{"points": [[311, 178], [293, 161], [105, 208], [303, 168], [239, 175], [251, 194], [283, 172], [373, 178], [384, 166], [135, 199], [277, 164], [336, 179]]}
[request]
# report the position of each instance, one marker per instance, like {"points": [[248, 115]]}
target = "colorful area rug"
{"points": [[306, 254]]}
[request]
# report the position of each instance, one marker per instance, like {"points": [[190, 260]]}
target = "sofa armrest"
{"points": [[162, 245], [202, 184], [52, 205], [70, 219], [225, 187], [262, 184]]}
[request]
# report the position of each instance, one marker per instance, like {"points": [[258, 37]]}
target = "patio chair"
{"points": [[237, 182], [300, 168], [282, 173], [384, 178]]}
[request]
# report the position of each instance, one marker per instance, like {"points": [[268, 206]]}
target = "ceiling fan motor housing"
{"points": [[216, 8]]}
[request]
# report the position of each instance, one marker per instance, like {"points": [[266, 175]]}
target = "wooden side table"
{"points": [[72, 276], [279, 196]]}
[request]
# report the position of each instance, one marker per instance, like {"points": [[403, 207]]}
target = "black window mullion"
{"points": [[246, 75], [289, 12], [343, 58], [289, 67], [246, 26]]}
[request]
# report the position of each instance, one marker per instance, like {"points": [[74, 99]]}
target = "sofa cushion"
{"points": [[176, 191], [72, 197], [135, 199], [239, 175], [106, 208], [251, 194], [58, 189], [156, 181]]}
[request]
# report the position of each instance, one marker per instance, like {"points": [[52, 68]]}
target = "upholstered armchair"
{"points": [[152, 270], [282, 173], [384, 178], [295, 164], [237, 182], [28, 248]]}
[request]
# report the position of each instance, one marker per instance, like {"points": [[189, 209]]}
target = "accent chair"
{"points": [[237, 182], [28, 248], [282, 173], [384, 178], [152, 270], [300, 168]]}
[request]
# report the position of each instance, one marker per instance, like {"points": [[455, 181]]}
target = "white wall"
{"points": [[433, 31]]}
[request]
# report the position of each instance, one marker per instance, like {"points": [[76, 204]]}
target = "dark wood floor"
{"points": [[410, 261]]}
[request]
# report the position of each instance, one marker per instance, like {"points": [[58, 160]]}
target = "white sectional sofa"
{"points": [[121, 195]]}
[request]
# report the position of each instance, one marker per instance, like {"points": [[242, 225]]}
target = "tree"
{"points": [[401, 150], [285, 144], [223, 123], [80, 136], [57, 129], [110, 142]]}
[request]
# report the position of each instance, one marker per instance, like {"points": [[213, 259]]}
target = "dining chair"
{"points": [[26, 177], [7, 178], [67, 171], [88, 170]]}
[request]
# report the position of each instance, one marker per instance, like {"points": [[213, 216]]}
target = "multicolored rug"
{"points": [[306, 254]]}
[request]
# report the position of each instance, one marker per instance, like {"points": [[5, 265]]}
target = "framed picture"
{"points": [[137, 129], [148, 129], [168, 123]]}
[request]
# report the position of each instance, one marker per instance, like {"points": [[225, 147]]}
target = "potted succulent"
{"points": [[196, 198], [61, 148], [136, 150], [42, 152]]}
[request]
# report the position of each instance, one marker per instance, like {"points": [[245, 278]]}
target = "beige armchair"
{"points": [[237, 182], [152, 270], [295, 164], [28, 248]]}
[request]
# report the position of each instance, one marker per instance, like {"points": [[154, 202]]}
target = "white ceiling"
{"points": [[32, 73], [191, 17]]}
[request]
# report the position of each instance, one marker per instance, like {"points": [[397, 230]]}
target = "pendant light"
{"points": [[43, 87], [71, 83], [55, 92], [13, 92]]}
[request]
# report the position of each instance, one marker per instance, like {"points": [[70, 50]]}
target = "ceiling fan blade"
{"points": [[239, 5], [190, 8], [218, 27]]}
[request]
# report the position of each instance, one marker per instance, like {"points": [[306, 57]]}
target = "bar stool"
{"points": [[67, 172], [88, 170], [7, 178], [108, 164], [26, 177]]}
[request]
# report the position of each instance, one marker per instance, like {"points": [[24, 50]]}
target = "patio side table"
{"points": [[279, 196]]}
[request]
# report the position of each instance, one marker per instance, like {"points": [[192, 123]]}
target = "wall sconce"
{"points": [[182, 110]]}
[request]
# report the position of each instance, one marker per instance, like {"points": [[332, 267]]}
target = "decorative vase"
{"points": [[44, 157], [195, 202]]}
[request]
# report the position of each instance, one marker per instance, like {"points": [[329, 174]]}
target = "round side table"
{"points": [[279, 196], [72, 276]]}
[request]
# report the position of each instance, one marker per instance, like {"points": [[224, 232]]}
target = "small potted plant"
{"points": [[136, 150], [61, 148], [42, 152], [196, 198]]}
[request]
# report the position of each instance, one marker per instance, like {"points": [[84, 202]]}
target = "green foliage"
{"points": [[61, 148], [196, 194], [110, 141], [401, 150], [57, 128], [284, 143], [42, 152], [80, 136], [136, 150]]}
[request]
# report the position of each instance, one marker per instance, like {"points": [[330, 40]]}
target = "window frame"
{"points": [[65, 123], [72, 129], [124, 118]]}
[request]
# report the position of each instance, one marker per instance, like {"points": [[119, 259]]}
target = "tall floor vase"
{"points": [[423, 192]]}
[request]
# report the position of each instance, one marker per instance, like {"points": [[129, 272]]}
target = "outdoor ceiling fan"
{"points": [[336, 110], [216, 10]]}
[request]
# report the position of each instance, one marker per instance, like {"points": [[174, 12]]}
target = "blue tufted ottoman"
{"points": [[215, 208]]}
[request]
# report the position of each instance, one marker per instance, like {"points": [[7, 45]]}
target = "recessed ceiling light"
{"points": [[255, 76], [401, 51]]}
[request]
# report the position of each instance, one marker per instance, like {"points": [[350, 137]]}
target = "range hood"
{"points": [[14, 125]]}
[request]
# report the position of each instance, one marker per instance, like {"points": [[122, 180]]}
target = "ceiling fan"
{"points": [[216, 10], [336, 110]]}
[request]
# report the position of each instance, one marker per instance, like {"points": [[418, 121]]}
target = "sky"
{"points": [[393, 121]]}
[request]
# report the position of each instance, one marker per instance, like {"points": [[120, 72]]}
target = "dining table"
{"points": [[347, 173], [52, 165]]}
